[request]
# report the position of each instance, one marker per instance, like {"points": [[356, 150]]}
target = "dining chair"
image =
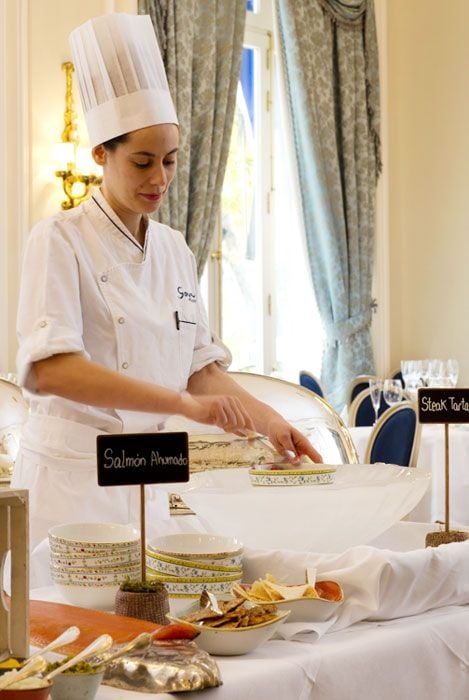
{"points": [[395, 439], [309, 381], [357, 385], [397, 374], [361, 412]]}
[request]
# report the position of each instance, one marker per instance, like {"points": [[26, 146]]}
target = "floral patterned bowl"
{"points": [[182, 567], [274, 475]]}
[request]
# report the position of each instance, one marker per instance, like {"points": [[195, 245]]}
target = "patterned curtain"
{"points": [[330, 66], [201, 42]]}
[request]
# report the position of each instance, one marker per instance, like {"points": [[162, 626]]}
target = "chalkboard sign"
{"points": [[444, 405], [142, 458]]}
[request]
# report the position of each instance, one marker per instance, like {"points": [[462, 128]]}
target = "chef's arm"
{"points": [[212, 380], [74, 377]]}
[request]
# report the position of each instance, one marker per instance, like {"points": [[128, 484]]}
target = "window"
{"points": [[257, 282]]}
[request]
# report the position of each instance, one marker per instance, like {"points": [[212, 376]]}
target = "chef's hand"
{"points": [[290, 442], [227, 412]]}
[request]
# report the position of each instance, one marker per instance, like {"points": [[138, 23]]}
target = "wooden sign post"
{"points": [[444, 406], [139, 459]]}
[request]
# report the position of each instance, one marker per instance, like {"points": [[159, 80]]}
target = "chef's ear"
{"points": [[99, 154]]}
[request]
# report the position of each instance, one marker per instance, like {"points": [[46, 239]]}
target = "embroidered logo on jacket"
{"points": [[182, 294]]}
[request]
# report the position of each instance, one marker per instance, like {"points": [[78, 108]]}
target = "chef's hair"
{"points": [[112, 144]]}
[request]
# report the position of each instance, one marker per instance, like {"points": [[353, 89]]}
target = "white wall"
{"points": [[428, 119], [33, 45]]}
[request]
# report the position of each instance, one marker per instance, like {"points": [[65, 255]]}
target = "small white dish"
{"points": [[233, 642]]}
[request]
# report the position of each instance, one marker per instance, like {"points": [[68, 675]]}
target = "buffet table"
{"points": [[431, 458], [422, 657]]}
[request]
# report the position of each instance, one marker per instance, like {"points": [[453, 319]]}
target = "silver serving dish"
{"points": [[166, 667]]}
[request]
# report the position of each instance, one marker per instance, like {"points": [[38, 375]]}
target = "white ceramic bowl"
{"points": [[233, 642], [93, 596], [304, 609], [180, 605], [178, 567], [82, 561], [93, 536], [197, 546], [307, 609], [94, 575], [193, 586], [262, 476]]}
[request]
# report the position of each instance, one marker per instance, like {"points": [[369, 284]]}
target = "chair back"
{"points": [[309, 381], [361, 411], [357, 385], [305, 410], [395, 439]]}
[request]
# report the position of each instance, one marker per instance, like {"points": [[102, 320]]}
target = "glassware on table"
{"points": [[412, 376], [376, 387], [452, 372], [392, 391]]}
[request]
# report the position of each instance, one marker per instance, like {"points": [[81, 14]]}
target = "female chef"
{"points": [[112, 332]]}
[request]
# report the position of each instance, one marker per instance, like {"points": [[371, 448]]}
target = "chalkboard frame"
{"points": [[443, 405], [127, 459]]}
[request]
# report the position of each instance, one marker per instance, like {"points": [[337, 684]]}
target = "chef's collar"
{"points": [[107, 213]]}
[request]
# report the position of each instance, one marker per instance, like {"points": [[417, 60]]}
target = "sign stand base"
{"points": [[434, 539]]}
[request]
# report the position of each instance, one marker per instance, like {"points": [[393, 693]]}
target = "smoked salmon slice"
{"points": [[48, 620]]}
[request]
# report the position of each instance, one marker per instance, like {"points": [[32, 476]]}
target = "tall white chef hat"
{"points": [[121, 76]]}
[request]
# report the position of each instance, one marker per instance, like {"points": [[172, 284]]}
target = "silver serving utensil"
{"points": [[208, 600], [37, 665], [141, 642], [101, 644], [67, 637], [252, 435]]}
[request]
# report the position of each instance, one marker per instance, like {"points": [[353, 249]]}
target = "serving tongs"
{"points": [[98, 646]]}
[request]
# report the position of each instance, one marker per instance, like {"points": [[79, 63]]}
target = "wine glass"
{"points": [[392, 391], [452, 370], [376, 386]]}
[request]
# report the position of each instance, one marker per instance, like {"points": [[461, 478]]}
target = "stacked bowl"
{"points": [[88, 561], [189, 563]]}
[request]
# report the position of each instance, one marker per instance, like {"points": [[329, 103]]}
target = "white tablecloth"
{"points": [[431, 458], [424, 657]]}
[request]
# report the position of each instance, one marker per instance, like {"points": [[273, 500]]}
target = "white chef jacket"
{"points": [[88, 287]]}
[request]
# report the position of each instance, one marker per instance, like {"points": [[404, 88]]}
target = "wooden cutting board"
{"points": [[48, 620]]}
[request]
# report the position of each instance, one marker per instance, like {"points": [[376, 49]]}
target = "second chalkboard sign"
{"points": [[142, 458], [443, 405]]}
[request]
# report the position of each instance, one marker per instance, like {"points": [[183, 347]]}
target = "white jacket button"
{"points": [[121, 319], [125, 365], [43, 324], [103, 278]]}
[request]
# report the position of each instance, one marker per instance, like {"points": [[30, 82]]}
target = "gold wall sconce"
{"points": [[75, 166]]}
